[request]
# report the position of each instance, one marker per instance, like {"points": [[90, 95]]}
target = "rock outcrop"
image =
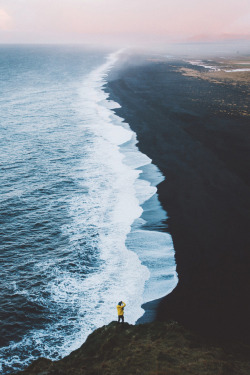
{"points": [[147, 349]]}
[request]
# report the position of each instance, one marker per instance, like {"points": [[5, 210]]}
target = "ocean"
{"points": [[81, 224]]}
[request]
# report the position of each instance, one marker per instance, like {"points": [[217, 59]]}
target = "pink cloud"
{"points": [[171, 19], [5, 20]]}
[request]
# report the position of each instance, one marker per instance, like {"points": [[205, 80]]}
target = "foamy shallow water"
{"points": [[97, 181]]}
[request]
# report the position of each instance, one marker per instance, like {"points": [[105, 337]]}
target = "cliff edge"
{"points": [[148, 349]]}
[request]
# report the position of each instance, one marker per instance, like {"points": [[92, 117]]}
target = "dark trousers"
{"points": [[120, 318]]}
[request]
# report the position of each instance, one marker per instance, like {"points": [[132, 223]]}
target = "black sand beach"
{"points": [[197, 132]]}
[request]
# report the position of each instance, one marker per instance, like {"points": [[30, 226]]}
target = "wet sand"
{"points": [[197, 131]]}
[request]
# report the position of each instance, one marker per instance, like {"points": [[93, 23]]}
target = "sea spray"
{"points": [[84, 189]]}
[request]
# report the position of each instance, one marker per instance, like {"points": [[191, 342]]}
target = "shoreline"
{"points": [[184, 125]]}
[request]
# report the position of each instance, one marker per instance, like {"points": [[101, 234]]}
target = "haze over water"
{"points": [[118, 21]]}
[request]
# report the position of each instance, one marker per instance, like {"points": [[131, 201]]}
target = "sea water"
{"points": [[81, 224]]}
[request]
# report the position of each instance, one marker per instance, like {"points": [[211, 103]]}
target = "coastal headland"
{"points": [[147, 349], [193, 122]]}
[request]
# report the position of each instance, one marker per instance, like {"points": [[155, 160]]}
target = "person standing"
{"points": [[120, 310]]}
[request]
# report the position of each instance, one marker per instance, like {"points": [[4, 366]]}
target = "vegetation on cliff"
{"points": [[148, 349]]}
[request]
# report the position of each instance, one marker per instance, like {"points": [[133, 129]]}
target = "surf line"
{"points": [[161, 280]]}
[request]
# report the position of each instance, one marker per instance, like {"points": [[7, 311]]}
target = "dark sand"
{"points": [[195, 132]]}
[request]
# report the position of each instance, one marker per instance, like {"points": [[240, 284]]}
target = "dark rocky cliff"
{"points": [[148, 349]]}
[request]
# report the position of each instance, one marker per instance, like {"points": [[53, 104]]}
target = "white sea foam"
{"points": [[109, 209], [113, 203], [203, 65], [156, 250], [121, 260], [216, 68], [238, 70]]}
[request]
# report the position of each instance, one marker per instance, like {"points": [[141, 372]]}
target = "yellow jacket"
{"points": [[120, 308]]}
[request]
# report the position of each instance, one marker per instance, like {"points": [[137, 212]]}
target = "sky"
{"points": [[76, 21]]}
